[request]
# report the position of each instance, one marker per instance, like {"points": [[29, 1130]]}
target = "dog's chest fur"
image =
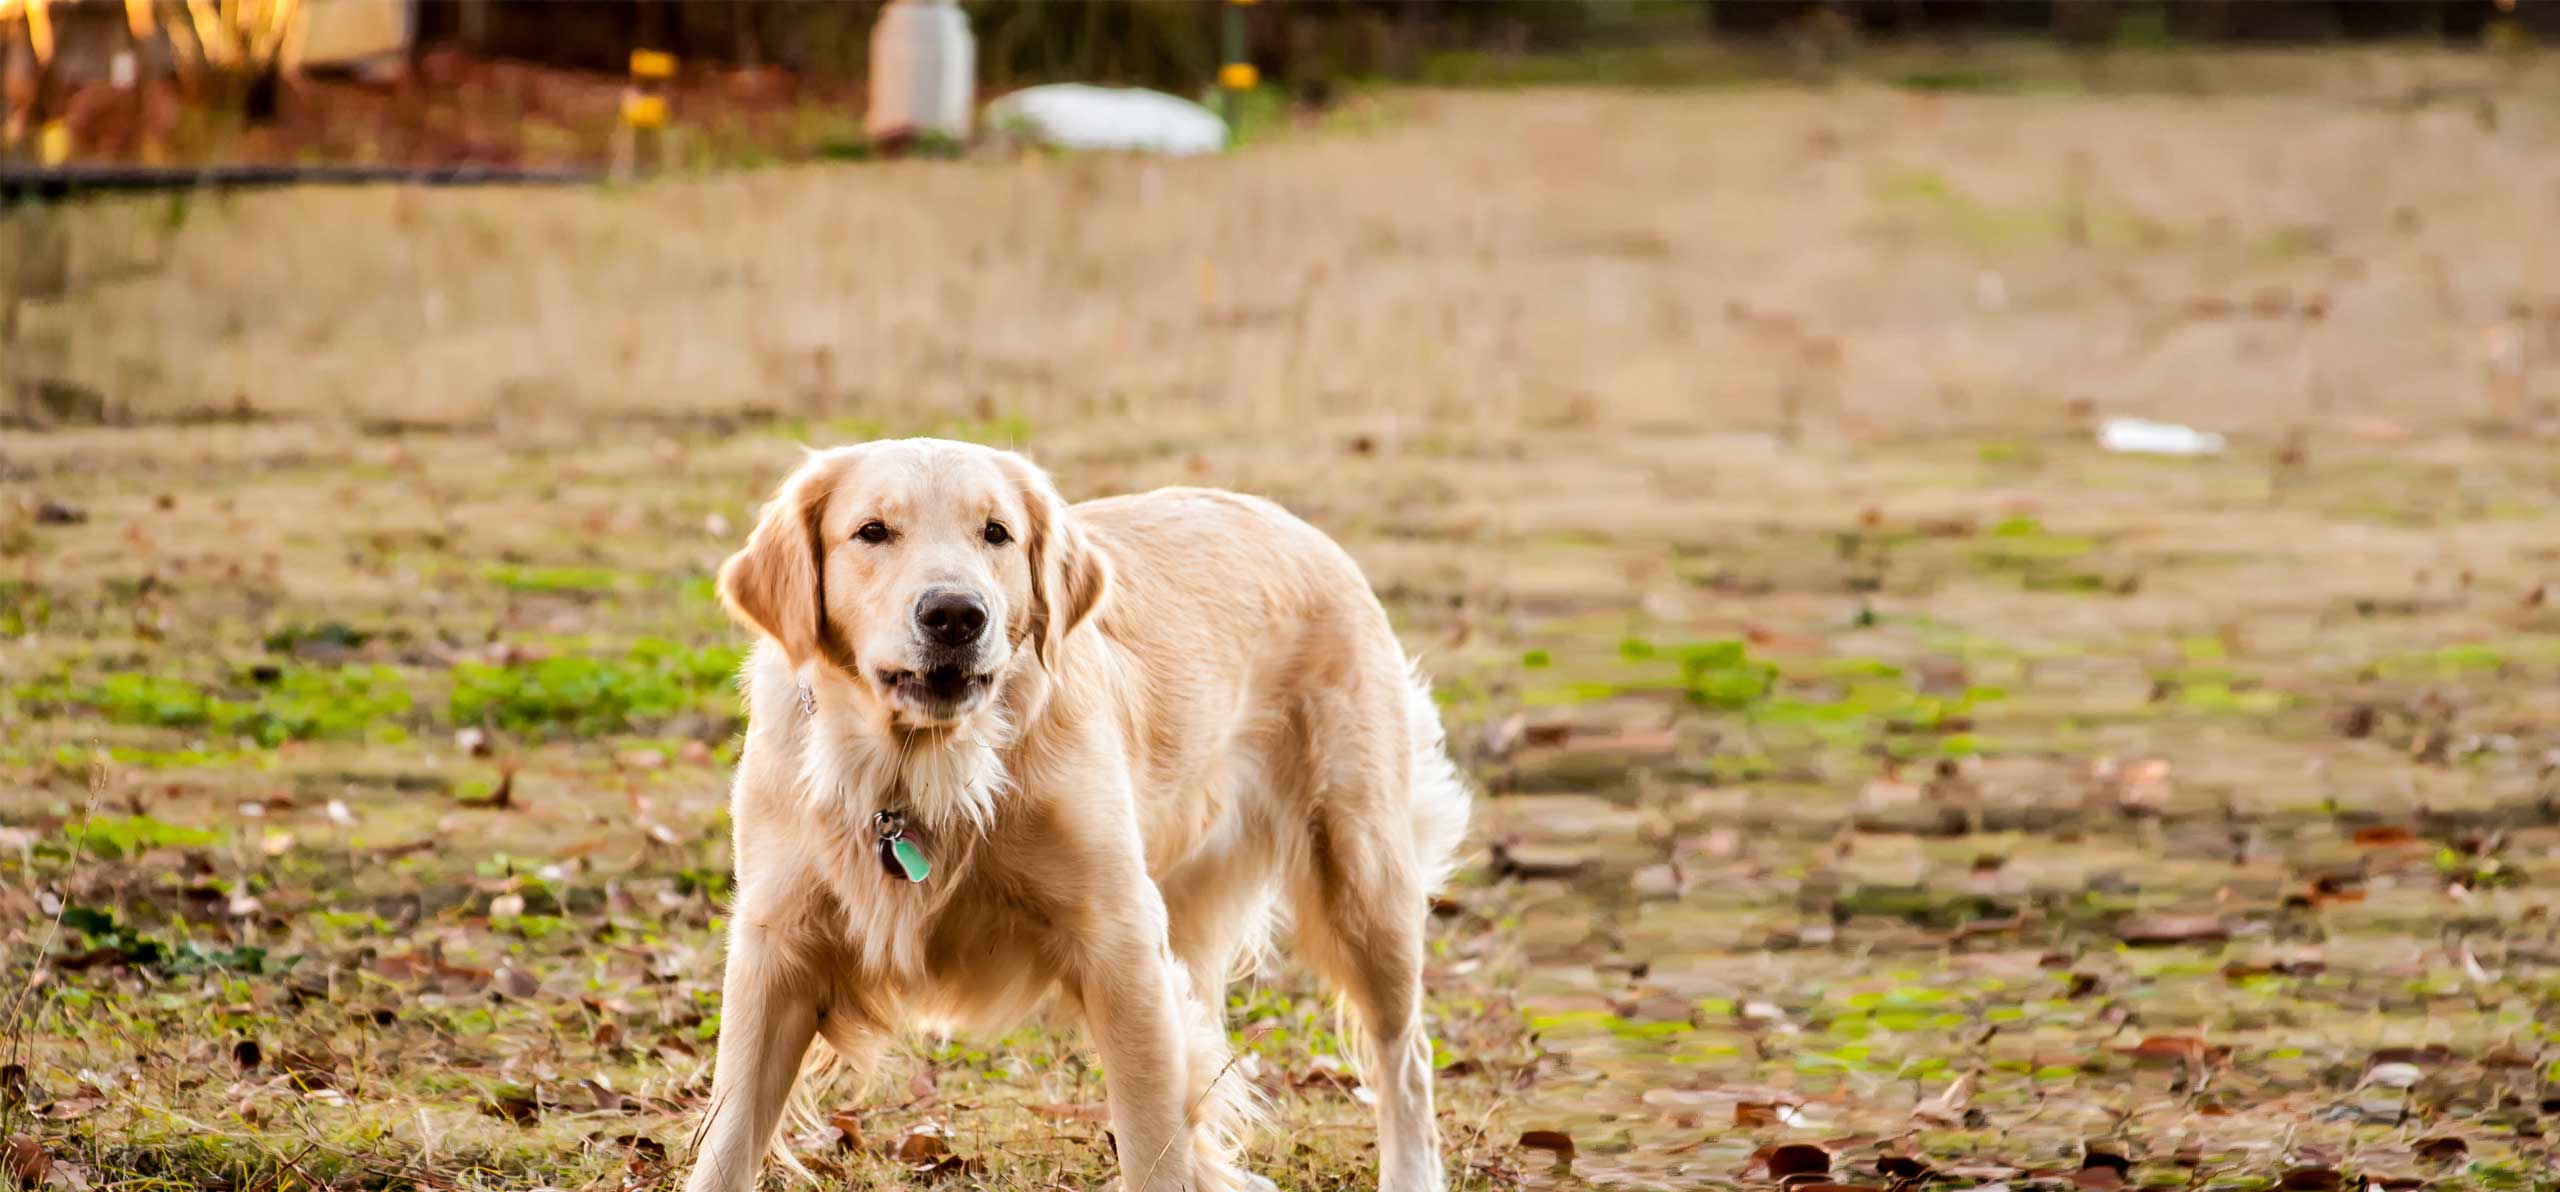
{"points": [[942, 948]]}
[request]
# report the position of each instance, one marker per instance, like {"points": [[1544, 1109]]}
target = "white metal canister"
{"points": [[924, 69]]}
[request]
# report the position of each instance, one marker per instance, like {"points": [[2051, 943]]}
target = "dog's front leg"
{"points": [[766, 1024], [1127, 987]]}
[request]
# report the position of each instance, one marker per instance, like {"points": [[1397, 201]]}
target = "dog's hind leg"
{"points": [[1219, 930], [1382, 814]]}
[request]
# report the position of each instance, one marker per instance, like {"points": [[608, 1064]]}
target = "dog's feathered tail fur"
{"points": [[1441, 801]]}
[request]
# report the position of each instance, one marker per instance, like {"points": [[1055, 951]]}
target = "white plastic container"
{"points": [[924, 71]]}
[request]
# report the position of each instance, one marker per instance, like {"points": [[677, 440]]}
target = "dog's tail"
{"points": [[1441, 803]]}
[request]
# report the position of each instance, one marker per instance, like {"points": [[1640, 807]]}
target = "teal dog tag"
{"points": [[910, 859], [900, 856]]}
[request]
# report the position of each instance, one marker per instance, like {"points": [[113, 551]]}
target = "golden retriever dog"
{"points": [[1003, 750]]}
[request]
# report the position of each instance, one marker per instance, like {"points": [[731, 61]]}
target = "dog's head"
{"points": [[923, 569]]}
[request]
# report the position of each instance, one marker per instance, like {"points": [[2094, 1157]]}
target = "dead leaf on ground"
{"points": [[27, 1161], [1950, 1104], [2327, 889], [517, 1105], [924, 1144], [2144, 786], [1532, 861], [643, 1148], [2152, 931], [1634, 742], [2282, 966], [849, 1127], [1089, 1112], [950, 1165], [2102, 1167], [1554, 1142], [1753, 1115], [518, 984], [2183, 1047], [2442, 1148], [1797, 1158], [2313, 1178]]}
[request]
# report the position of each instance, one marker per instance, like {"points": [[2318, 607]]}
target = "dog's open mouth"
{"points": [[939, 687]]}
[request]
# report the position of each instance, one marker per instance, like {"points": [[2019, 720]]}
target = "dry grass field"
{"points": [[1880, 777]]}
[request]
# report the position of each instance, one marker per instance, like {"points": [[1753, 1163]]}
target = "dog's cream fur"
{"points": [[1197, 726]]}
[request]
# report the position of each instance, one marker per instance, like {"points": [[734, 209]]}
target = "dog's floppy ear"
{"points": [[1070, 573], [773, 585]]}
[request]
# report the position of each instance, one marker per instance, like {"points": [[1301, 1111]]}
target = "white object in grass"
{"points": [[1076, 116], [2142, 436]]}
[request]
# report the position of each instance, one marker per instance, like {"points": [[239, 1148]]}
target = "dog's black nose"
{"points": [[951, 618]]}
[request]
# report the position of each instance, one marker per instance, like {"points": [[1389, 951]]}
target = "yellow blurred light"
{"points": [[53, 145], [1238, 76], [137, 17], [652, 64], [40, 30], [644, 111]]}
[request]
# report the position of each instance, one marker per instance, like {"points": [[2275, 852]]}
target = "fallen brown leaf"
{"points": [[518, 984], [2148, 931], [924, 1144], [2442, 1148], [516, 1105], [2102, 1168], [1797, 1158], [2184, 1047], [1089, 1112], [1536, 860], [1554, 1142], [27, 1161], [1634, 742], [1950, 1104]]}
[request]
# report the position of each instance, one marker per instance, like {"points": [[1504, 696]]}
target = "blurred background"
{"points": [[1994, 561]]}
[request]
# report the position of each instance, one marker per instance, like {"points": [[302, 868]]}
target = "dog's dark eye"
{"points": [[873, 533], [997, 535]]}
